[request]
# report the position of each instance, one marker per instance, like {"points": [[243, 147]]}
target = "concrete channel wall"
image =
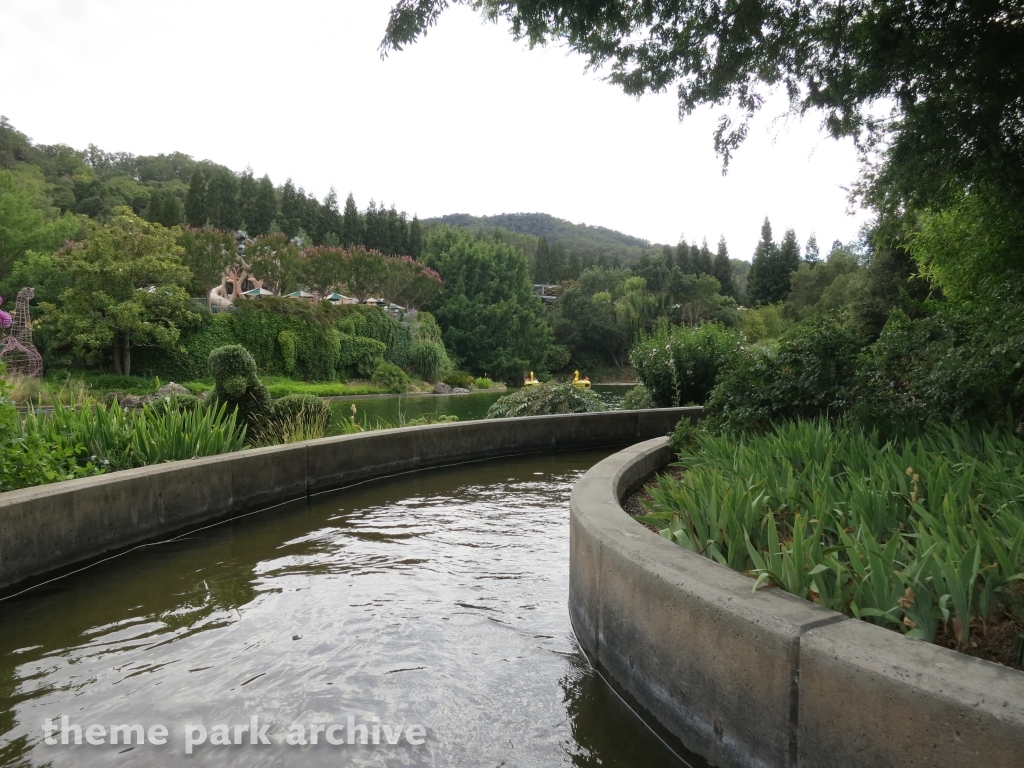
{"points": [[766, 679], [54, 526]]}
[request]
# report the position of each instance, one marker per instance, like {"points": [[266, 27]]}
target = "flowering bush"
{"points": [[679, 365]]}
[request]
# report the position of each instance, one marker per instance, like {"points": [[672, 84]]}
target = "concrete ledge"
{"points": [[767, 679], [54, 526]]}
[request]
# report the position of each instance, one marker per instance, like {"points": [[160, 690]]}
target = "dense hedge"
{"points": [[288, 338]]}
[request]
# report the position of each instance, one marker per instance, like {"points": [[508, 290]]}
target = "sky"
{"points": [[465, 121]]}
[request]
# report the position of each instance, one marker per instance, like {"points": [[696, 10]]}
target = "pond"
{"points": [[435, 598], [397, 409]]}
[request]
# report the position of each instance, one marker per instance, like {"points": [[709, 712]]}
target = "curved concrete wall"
{"points": [[53, 526], [767, 679]]}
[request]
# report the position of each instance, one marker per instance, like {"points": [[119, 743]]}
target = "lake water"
{"points": [[393, 409]]}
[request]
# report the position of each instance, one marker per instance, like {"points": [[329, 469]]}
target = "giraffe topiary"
{"points": [[17, 350]]}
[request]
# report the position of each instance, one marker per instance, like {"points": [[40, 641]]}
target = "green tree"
{"points": [[248, 188], [206, 252], [27, 219], [290, 220], [768, 282], [222, 200], [195, 201], [351, 223], [126, 289], [721, 269], [493, 323], [264, 209]]}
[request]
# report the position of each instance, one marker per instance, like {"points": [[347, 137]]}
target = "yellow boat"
{"points": [[530, 381], [581, 383]]}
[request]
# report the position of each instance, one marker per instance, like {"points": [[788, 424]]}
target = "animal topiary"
{"points": [[236, 383]]}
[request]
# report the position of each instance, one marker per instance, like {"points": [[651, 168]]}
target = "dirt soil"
{"points": [[995, 641]]}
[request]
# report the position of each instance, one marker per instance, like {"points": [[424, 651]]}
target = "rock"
{"points": [[460, 391], [132, 401], [171, 389], [442, 389]]}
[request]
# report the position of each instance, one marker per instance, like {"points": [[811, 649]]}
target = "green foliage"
{"points": [[483, 383], [294, 418], [816, 288], [237, 386], [558, 357], [462, 379], [182, 402], [772, 267], [959, 363], [190, 361], [125, 289], [430, 360], [206, 252], [28, 220], [679, 365], [921, 535], [762, 323], [684, 439], [811, 374], [359, 354], [493, 322], [544, 400], [70, 442], [287, 341], [638, 398], [389, 378]]}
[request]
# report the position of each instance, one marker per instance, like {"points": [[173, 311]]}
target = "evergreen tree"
{"points": [[542, 261], [683, 259], [721, 269], [702, 259], [331, 223], [789, 256], [762, 281], [558, 262], [351, 223], [222, 199], [248, 188], [195, 201], [415, 238], [290, 220], [375, 227], [575, 267], [264, 208], [811, 252]]}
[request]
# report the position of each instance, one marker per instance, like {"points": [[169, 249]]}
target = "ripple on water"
{"points": [[437, 598]]}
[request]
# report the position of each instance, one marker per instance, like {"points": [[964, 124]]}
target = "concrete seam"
{"points": [[794, 704]]}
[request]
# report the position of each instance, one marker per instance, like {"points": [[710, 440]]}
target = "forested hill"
{"points": [[589, 242]]}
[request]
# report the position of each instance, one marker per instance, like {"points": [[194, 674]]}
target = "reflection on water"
{"points": [[436, 598]]}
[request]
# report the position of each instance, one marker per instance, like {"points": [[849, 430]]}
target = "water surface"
{"points": [[436, 598]]}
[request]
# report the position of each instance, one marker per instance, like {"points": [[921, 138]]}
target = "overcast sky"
{"points": [[466, 121]]}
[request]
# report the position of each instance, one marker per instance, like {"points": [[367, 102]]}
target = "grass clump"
{"points": [[294, 418], [924, 535]]}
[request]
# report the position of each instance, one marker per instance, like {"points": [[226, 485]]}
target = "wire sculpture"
{"points": [[17, 350]]}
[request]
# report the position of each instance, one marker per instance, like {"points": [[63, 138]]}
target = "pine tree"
{"points": [[155, 209], [222, 199], [811, 253], [789, 256], [290, 219], [761, 281], [721, 269], [542, 261], [351, 223], [195, 201], [683, 260], [264, 210], [575, 267], [558, 262], [702, 259], [248, 188], [331, 217], [415, 238]]}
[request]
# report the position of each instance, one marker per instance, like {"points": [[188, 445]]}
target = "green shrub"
{"points": [[294, 418], [958, 363], [923, 535], [483, 382], [679, 365], [287, 341], [807, 376], [637, 399], [440, 418], [390, 378], [684, 438], [184, 403], [545, 399], [558, 356], [430, 360], [236, 384], [186, 363], [462, 379], [359, 354]]}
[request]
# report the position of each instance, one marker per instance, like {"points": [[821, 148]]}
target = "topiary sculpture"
{"points": [[236, 383]]}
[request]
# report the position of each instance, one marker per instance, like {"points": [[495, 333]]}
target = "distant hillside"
{"points": [[586, 240]]}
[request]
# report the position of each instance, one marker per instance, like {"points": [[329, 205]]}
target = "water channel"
{"points": [[436, 598]]}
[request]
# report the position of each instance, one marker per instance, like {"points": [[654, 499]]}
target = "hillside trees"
{"points": [[27, 219]]}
